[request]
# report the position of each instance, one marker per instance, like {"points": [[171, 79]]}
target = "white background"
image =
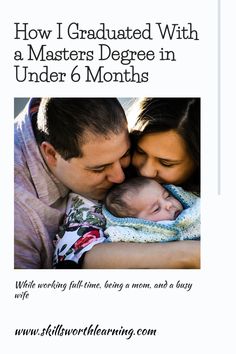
{"points": [[200, 320]]}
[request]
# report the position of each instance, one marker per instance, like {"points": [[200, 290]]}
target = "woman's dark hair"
{"points": [[179, 114], [65, 122]]}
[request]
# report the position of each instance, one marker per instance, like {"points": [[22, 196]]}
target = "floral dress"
{"points": [[82, 228]]}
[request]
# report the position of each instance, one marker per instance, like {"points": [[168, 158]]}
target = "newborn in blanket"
{"points": [[142, 210]]}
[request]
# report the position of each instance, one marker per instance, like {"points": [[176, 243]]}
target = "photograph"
{"points": [[93, 191]]}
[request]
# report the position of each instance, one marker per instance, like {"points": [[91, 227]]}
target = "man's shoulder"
{"points": [[22, 180]]}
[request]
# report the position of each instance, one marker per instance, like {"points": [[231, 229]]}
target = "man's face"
{"points": [[101, 165]]}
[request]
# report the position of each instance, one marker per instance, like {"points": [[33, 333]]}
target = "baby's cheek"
{"points": [[180, 206]]}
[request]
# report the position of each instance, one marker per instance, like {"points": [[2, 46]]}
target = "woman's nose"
{"points": [[116, 173], [148, 170]]}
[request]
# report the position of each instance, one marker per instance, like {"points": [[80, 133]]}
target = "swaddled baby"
{"points": [[142, 210]]}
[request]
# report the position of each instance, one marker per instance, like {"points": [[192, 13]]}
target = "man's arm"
{"points": [[124, 255]]}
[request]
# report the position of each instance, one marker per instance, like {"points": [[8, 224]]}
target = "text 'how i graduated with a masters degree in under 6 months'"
{"points": [[101, 52]]}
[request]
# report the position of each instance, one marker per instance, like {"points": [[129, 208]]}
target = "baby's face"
{"points": [[155, 203]]}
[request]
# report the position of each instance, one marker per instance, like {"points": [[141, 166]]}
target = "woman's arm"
{"points": [[123, 255]]}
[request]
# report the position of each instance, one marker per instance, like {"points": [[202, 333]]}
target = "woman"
{"points": [[166, 140]]}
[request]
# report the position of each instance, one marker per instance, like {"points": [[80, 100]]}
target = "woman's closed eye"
{"points": [[166, 163]]}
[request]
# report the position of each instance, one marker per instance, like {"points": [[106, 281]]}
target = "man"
{"points": [[78, 144]]}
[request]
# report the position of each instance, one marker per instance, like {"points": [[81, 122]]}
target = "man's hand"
{"points": [[127, 255]]}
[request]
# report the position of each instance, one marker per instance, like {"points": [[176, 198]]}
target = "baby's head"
{"points": [[144, 198]]}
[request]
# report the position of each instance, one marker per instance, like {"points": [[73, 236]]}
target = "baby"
{"points": [[143, 198], [142, 210]]}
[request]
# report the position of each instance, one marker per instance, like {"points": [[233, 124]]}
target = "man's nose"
{"points": [[116, 173]]}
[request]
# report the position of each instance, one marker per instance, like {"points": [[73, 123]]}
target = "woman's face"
{"points": [[164, 157]]}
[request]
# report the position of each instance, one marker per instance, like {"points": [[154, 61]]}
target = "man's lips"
{"points": [[105, 189]]}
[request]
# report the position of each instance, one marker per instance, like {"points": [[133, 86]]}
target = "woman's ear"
{"points": [[49, 154]]}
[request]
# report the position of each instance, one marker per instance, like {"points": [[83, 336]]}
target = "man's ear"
{"points": [[49, 153]]}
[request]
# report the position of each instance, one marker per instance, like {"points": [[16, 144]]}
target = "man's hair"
{"points": [[66, 122], [119, 198]]}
